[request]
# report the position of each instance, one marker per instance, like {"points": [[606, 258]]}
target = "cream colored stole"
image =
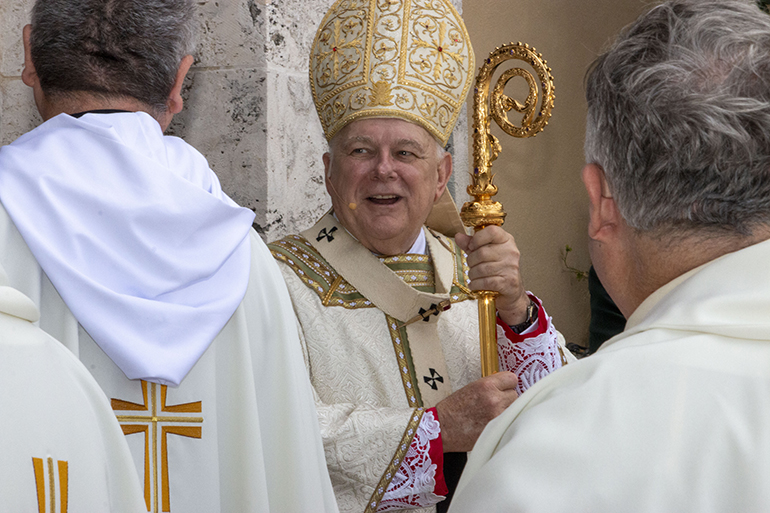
{"points": [[392, 295]]}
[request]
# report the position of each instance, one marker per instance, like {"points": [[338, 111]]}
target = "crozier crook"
{"points": [[482, 211]]}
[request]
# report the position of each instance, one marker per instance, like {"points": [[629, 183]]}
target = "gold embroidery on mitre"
{"points": [[409, 59], [380, 94]]}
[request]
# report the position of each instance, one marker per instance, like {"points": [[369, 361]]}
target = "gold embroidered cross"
{"points": [[440, 46], [337, 45], [148, 424]]}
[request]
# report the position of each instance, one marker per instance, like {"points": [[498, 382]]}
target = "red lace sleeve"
{"points": [[529, 355]]}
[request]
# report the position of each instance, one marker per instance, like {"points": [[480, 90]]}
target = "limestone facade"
{"points": [[248, 106]]}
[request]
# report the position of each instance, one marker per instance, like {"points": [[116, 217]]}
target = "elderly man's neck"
{"points": [[657, 258], [75, 102]]}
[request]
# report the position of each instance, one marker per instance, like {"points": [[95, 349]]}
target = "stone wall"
{"points": [[248, 106]]}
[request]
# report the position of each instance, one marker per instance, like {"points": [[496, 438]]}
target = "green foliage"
{"points": [[579, 274], [764, 5]]}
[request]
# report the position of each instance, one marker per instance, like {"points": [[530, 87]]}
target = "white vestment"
{"points": [[670, 415], [240, 432], [61, 448], [365, 365]]}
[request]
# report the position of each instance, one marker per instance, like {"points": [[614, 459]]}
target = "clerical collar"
{"points": [[98, 111], [420, 246]]}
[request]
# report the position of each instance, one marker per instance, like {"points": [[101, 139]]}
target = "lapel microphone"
{"points": [[352, 205]]}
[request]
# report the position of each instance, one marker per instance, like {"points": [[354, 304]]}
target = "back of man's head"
{"points": [[111, 48], [679, 118]]}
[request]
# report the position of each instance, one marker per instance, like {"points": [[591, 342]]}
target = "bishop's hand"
{"points": [[464, 414], [493, 258]]}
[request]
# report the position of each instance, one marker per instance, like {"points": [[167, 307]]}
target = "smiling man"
{"points": [[393, 172], [380, 285]]}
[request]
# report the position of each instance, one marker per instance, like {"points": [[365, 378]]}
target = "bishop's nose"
{"points": [[385, 167]]}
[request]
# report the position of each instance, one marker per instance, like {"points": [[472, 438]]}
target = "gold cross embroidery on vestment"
{"points": [[148, 424]]}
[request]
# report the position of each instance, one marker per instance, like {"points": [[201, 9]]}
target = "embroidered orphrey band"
{"points": [[40, 473], [333, 290], [395, 462], [398, 336]]}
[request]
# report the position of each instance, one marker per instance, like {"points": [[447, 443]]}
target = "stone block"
{"points": [[18, 113], [231, 34], [292, 26], [462, 159], [295, 144], [14, 14], [224, 118]]}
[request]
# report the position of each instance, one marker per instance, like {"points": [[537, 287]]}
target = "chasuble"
{"points": [[375, 375], [144, 269], [61, 448], [670, 415], [238, 434]]}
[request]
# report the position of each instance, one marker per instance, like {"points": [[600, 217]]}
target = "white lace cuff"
{"points": [[415, 480], [531, 358]]}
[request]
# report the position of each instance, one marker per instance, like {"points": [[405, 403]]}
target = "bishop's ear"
{"points": [[603, 215], [444, 172]]}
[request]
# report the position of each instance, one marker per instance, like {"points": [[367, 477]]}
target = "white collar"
{"points": [[419, 247]]}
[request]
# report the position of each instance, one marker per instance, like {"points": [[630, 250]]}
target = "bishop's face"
{"points": [[384, 175]]}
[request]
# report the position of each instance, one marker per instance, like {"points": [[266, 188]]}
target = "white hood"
{"points": [[135, 233]]}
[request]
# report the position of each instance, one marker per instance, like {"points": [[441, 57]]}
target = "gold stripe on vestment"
{"points": [[188, 431], [51, 484], [405, 366], [43, 468], [37, 463], [395, 462], [63, 485], [333, 287]]}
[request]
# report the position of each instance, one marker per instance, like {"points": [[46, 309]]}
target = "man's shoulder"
{"points": [[291, 244], [296, 252], [306, 264], [299, 260]]}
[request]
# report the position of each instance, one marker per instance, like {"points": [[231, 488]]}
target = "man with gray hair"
{"points": [[149, 273], [672, 414]]}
